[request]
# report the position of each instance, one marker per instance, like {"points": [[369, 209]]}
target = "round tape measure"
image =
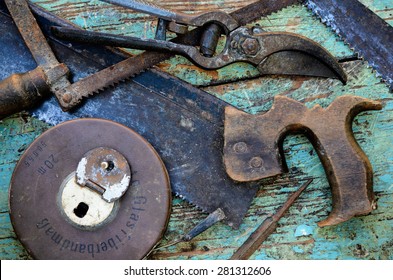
{"points": [[55, 217]]}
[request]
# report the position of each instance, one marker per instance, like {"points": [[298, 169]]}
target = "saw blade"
{"points": [[71, 96], [369, 35], [151, 104]]}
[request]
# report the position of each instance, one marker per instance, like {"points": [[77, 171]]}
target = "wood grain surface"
{"points": [[297, 236]]}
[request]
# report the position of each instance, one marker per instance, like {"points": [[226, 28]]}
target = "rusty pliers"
{"points": [[271, 52]]}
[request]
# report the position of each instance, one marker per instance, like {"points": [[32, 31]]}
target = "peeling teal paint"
{"points": [[298, 249], [304, 230], [326, 251], [262, 256], [11, 250]]}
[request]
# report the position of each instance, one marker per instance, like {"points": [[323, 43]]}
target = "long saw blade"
{"points": [[175, 124], [72, 95], [369, 35]]}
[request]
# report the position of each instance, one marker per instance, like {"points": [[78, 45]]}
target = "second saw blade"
{"points": [[55, 218]]}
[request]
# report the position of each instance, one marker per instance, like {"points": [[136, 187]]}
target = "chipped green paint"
{"points": [[16, 133], [367, 237], [10, 249]]}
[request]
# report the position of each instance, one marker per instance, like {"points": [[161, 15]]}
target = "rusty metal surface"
{"points": [[187, 118], [36, 42], [137, 221], [243, 44], [300, 55], [209, 39], [132, 66], [105, 171], [30, 88], [297, 63], [253, 148], [363, 30], [31, 33]]}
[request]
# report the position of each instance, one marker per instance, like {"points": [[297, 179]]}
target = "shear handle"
{"points": [[201, 19]]}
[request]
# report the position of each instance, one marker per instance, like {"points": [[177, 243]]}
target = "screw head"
{"points": [[250, 46], [240, 147], [67, 97], [256, 162]]}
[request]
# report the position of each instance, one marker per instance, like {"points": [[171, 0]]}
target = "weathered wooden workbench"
{"points": [[297, 237]]}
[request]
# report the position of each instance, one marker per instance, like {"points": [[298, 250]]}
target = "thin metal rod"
{"points": [[151, 8], [268, 226], [213, 218], [99, 38]]}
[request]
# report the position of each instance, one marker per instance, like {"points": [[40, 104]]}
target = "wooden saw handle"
{"points": [[253, 148]]}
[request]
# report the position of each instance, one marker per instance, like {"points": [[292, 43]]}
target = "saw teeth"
{"points": [[184, 198], [124, 79], [316, 12], [281, 10], [98, 90], [274, 13]]}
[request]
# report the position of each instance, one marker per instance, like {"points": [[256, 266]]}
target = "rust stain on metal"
{"points": [[50, 75], [133, 66], [347, 167], [105, 171], [20, 91]]}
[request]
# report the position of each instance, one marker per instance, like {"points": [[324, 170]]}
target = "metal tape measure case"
{"points": [[56, 218]]}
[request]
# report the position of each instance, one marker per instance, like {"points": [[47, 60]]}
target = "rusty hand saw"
{"points": [[369, 35], [175, 124]]}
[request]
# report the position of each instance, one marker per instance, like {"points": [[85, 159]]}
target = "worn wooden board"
{"points": [[297, 237]]}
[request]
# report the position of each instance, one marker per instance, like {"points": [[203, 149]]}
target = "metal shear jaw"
{"points": [[224, 20], [243, 45]]}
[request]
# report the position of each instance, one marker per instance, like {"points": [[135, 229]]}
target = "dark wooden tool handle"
{"points": [[349, 173], [22, 91]]}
